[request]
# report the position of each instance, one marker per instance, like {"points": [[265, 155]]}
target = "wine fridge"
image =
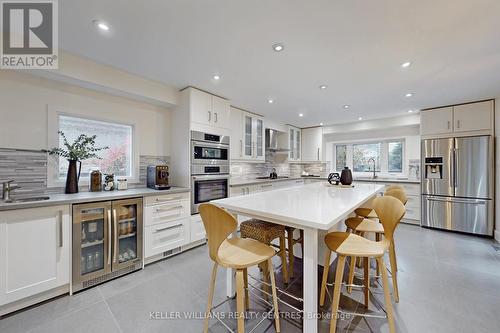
{"points": [[107, 241]]}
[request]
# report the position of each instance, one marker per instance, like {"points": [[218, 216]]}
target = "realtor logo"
{"points": [[29, 34]]}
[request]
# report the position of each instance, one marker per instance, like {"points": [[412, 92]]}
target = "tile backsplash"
{"points": [[28, 169], [279, 161]]}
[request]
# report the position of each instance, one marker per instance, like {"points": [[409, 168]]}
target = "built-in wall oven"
{"points": [[209, 168]]}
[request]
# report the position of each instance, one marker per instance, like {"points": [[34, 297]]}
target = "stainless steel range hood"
{"points": [[275, 140]]}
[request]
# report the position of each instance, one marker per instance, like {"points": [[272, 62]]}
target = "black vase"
{"points": [[346, 176], [72, 177]]}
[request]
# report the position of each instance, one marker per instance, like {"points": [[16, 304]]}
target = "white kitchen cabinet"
{"points": [[34, 251], [473, 117], [247, 136], [198, 232], [312, 144], [167, 223], [208, 110], [458, 120], [294, 135], [436, 121]]}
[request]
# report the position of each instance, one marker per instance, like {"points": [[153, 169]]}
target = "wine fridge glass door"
{"points": [[91, 240], [127, 233]]}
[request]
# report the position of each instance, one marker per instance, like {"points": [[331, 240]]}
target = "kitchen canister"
{"points": [[109, 182], [121, 184], [95, 181]]}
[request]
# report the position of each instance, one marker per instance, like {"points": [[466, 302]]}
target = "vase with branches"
{"points": [[83, 148]]}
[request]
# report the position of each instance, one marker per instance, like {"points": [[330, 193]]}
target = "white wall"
{"points": [[24, 100]]}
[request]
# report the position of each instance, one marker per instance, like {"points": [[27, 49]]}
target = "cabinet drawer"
{"points": [[166, 236], [412, 213], [159, 199], [413, 202], [197, 229], [166, 212]]}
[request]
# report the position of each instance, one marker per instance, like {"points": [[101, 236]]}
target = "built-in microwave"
{"points": [[209, 150]]}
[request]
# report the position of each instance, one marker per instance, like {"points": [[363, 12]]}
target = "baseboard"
{"points": [[32, 300], [497, 235]]}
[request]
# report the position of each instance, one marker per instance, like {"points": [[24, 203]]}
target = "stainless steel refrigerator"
{"points": [[458, 184]]}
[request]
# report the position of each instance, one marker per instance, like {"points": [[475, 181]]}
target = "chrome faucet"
{"points": [[7, 188], [372, 159]]}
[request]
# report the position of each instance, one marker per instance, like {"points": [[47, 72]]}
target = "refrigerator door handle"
{"points": [[455, 161], [110, 239], [456, 200], [115, 223]]}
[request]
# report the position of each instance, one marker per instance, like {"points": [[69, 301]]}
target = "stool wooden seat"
{"points": [[235, 253], [291, 242], [390, 211], [266, 232], [362, 225]]}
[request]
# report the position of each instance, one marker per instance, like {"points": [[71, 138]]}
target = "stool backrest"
{"points": [[389, 211], [219, 224], [398, 194]]}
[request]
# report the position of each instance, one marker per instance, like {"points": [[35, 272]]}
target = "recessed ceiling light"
{"points": [[409, 95], [216, 77], [410, 111], [347, 106], [278, 47], [320, 124], [301, 115], [406, 64], [360, 118], [101, 25], [270, 101], [323, 86]]}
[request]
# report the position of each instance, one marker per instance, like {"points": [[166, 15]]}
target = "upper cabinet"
{"points": [[247, 136], [312, 144], [295, 141], [459, 120], [208, 110]]}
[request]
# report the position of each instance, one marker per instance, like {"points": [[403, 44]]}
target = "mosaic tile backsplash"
{"points": [[279, 161], [28, 169]]}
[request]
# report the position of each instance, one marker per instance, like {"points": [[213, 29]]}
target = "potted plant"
{"points": [[83, 148]]}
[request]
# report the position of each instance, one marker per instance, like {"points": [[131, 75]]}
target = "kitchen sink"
{"points": [[27, 199]]}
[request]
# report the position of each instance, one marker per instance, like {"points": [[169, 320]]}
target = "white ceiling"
{"points": [[354, 46]]}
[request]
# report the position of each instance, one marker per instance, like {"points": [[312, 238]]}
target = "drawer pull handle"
{"points": [[169, 227], [270, 185], [166, 200], [159, 210]]}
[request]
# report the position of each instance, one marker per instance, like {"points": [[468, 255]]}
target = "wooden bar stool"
{"points": [[363, 226], [236, 253], [291, 242], [369, 213], [266, 232], [390, 211]]}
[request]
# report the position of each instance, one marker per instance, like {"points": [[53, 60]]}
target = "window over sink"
{"points": [[386, 155], [118, 159]]}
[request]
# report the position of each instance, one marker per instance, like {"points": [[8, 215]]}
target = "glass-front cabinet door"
{"points": [[127, 232], [260, 138], [91, 240], [247, 136]]}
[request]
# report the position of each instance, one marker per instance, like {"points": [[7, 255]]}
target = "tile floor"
{"points": [[448, 283]]}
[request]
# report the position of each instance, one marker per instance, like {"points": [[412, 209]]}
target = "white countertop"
{"points": [[244, 182], [318, 205], [59, 199]]}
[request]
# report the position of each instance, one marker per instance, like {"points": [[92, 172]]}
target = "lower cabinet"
{"points": [[34, 252], [166, 224], [198, 232]]}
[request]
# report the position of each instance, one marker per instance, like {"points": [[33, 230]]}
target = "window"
{"points": [[365, 156], [118, 159], [340, 157], [387, 155], [395, 156]]}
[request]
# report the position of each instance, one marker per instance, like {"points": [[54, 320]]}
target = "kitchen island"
{"points": [[314, 208]]}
